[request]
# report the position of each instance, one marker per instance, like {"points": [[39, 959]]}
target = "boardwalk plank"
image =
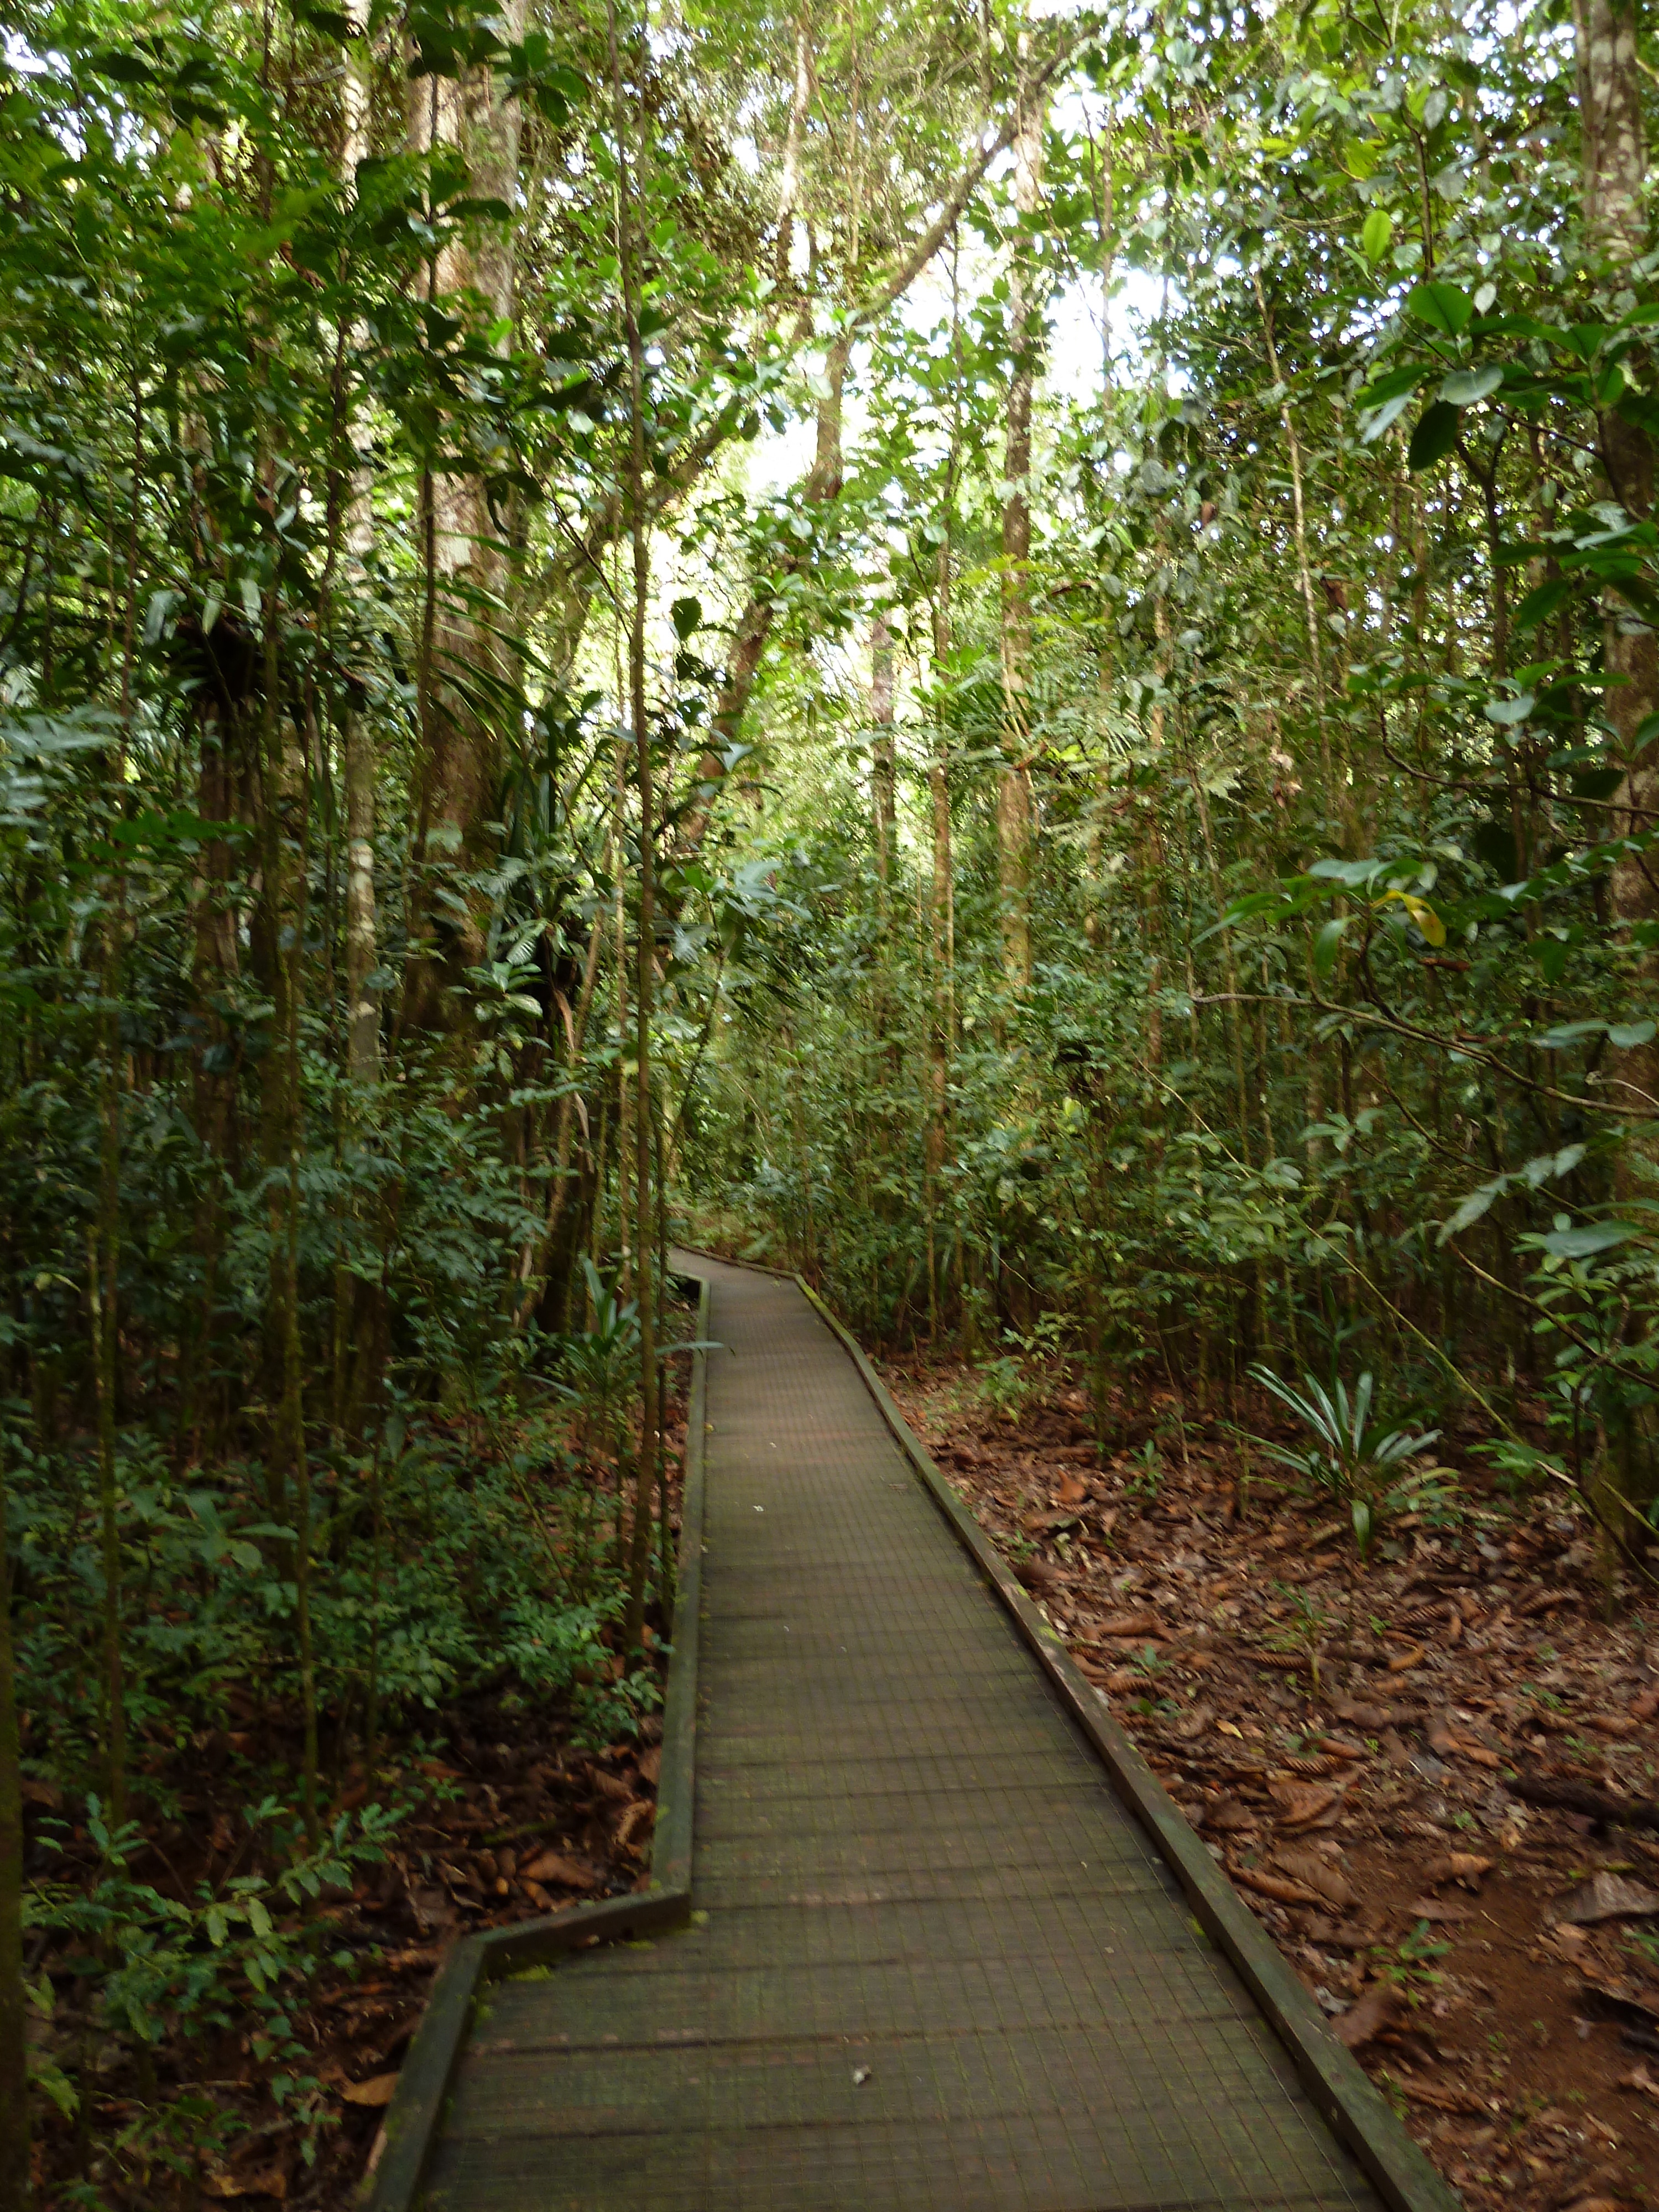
{"points": [[910, 1867]]}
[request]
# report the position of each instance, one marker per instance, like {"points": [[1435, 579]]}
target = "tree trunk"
{"points": [[1614, 155], [884, 773], [13, 2003], [646, 948], [789, 179], [460, 772], [1014, 783], [941, 916]]}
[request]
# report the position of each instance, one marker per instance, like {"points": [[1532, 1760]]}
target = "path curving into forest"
{"points": [[935, 1963]]}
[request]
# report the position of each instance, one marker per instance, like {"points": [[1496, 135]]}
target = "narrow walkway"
{"points": [[935, 1964]]}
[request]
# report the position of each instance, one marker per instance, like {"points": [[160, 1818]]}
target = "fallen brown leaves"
{"points": [[1418, 1776]]}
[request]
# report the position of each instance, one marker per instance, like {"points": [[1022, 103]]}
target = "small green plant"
{"points": [[1304, 1632], [1148, 1478], [1357, 1459], [1408, 1968], [1644, 1942], [1003, 1385]]}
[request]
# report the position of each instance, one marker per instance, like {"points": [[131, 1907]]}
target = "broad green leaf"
{"points": [[1540, 605], [1584, 1244], [1443, 307], [1477, 1203], [1567, 1034], [1384, 418], [1383, 388], [1327, 945], [1627, 1035], [1465, 386], [1437, 433], [1548, 1165], [1507, 713], [1377, 234]]}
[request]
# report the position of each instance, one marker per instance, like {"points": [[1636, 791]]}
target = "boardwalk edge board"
{"points": [[417, 2105], [1402, 2172]]}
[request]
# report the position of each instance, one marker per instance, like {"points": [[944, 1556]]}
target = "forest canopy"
{"points": [[1005, 657]]}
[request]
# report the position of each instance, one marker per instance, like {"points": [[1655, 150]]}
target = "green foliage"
{"points": [[1356, 1458]]}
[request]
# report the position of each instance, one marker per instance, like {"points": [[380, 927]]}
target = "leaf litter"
{"points": [[1432, 1778]]}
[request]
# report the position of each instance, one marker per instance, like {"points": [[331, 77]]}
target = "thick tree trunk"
{"points": [[362, 1005], [789, 179], [460, 773], [884, 769], [14, 2004], [1014, 782], [941, 1034], [358, 765], [1614, 155]]}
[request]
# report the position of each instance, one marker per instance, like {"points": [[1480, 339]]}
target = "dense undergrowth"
{"points": [[1013, 651]]}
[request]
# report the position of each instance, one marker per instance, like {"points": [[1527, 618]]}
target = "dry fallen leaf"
{"points": [[554, 1867], [1130, 1623], [1193, 1724], [1368, 2016], [1609, 1897], [1614, 1723], [633, 1829], [272, 2182], [1456, 1866], [1275, 1886], [1071, 1490], [1298, 1803], [1338, 1748], [1315, 1872], [1640, 2078], [1403, 1662], [1441, 2100], [1227, 1816], [1373, 1717], [376, 2091]]}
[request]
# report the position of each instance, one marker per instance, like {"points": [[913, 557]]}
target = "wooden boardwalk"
{"points": [[934, 1963]]}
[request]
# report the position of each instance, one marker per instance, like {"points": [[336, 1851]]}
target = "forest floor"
{"points": [[1491, 1960], [505, 1813]]}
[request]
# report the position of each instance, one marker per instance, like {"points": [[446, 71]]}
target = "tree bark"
{"points": [[645, 946], [789, 179], [361, 920], [1615, 156], [13, 2003], [1014, 782], [460, 772], [884, 769]]}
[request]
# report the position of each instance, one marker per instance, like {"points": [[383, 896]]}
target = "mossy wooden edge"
{"points": [[417, 2109], [1400, 2171]]}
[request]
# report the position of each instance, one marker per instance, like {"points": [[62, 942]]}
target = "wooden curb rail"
{"points": [[1400, 2171], [414, 2115]]}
